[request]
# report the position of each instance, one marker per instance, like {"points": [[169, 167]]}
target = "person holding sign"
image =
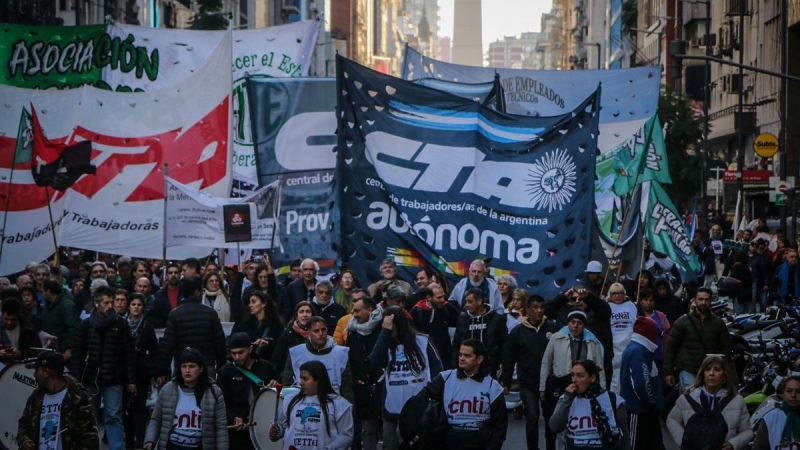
{"points": [[316, 417]]}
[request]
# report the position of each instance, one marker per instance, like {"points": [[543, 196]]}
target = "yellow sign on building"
{"points": [[766, 145]]}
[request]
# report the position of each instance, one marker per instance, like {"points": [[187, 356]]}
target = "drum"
{"points": [[263, 414], [16, 385]]}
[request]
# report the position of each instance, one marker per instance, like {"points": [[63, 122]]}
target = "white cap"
{"points": [[594, 267]]}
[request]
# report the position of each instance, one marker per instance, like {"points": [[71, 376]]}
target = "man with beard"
{"points": [[363, 330], [691, 338], [59, 413], [167, 298], [240, 380], [104, 359], [389, 276], [321, 347], [525, 350], [423, 279], [434, 315], [479, 321], [477, 280]]}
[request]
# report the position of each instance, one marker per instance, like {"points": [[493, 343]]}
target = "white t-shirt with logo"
{"points": [[305, 428], [581, 426], [402, 382], [187, 425], [50, 421], [467, 402]]}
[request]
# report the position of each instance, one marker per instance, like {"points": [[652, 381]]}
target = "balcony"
{"points": [[737, 8]]}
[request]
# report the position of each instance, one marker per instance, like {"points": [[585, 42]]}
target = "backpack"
{"points": [[705, 430], [422, 422]]}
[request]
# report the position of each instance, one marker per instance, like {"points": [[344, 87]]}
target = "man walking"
{"points": [[321, 347], [473, 401], [104, 360], [480, 322], [240, 380], [640, 386], [525, 350], [59, 413], [691, 338]]}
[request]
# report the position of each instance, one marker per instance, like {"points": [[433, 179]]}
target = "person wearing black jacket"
{"points": [[434, 315], [473, 401], [103, 360], [525, 350], [325, 307], [194, 325], [262, 323], [145, 345], [26, 338], [240, 380], [264, 280], [362, 334], [480, 322], [598, 315]]}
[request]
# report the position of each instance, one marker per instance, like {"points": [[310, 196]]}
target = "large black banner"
{"points": [[436, 180]]}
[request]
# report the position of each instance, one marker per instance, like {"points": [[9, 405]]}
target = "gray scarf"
{"points": [[374, 321]]}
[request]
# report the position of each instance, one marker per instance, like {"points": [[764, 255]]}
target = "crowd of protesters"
{"points": [[593, 362]]}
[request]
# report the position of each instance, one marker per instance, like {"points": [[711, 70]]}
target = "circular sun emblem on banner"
{"points": [[551, 180]]}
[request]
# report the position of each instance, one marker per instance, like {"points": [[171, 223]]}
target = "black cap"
{"points": [[48, 359], [239, 340]]}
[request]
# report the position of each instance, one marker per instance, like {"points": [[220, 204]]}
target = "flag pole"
{"points": [[639, 278], [164, 234], [52, 223], [276, 214], [8, 202]]}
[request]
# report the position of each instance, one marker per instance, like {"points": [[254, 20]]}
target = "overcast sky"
{"points": [[500, 17]]}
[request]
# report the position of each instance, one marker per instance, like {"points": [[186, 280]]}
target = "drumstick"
{"points": [[233, 427], [278, 388]]}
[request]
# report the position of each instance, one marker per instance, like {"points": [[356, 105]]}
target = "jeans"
{"points": [[531, 400], [111, 412], [686, 379], [391, 438]]}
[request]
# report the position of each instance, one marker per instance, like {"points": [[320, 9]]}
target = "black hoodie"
{"points": [[436, 323], [490, 329]]}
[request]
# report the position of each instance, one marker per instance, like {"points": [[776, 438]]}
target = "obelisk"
{"points": [[468, 33]]}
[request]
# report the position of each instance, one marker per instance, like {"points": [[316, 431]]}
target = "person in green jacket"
{"points": [[59, 317]]}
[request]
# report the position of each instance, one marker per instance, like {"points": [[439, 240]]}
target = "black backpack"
{"points": [[422, 423], [705, 430]]}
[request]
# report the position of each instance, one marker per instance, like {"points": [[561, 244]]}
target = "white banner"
{"points": [[134, 135], [280, 51], [194, 218]]}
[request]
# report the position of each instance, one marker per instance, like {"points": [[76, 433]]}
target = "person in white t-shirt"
{"points": [[623, 315], [316, 417], [59, 413]]}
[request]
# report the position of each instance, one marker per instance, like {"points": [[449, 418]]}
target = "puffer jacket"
{"points": [[195, 325], [686, 349], [557, 358], [61, 320], [490, 329], [735, 414], [103, 354], [214, 417], [77, 419]]}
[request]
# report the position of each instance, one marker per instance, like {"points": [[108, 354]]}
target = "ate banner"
{"points": [[119, 210], [294, 131], [436, 180]]}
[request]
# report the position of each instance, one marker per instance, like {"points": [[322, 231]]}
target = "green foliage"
{"points": [[683, 140], [630, 16]]}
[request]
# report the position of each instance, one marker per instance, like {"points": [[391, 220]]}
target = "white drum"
{"points": [[263, 414], [16, 385]]}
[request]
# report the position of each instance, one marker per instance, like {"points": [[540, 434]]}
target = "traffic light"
{"points": [[677, 48]]}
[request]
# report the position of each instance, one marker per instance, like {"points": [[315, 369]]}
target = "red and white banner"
{"points": [[119, 210]]}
